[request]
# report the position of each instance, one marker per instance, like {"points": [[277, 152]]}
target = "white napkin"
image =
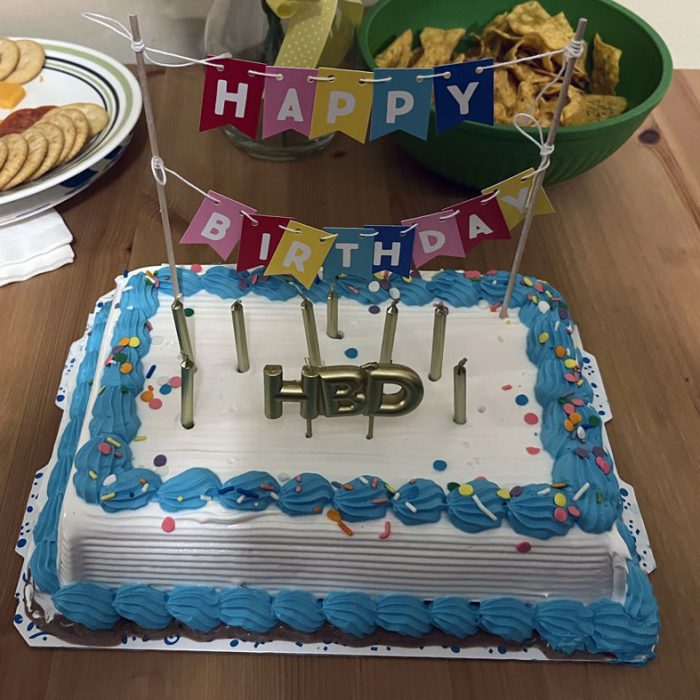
{"points": [[35, 245]]}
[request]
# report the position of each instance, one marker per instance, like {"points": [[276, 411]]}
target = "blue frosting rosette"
{"points": [[305, 494], [419, 501], [455, 289], [253, 490], [538, 510], [363, 498], [477, 505]]}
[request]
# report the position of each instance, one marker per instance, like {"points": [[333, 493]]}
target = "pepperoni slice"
{"points": [[22, 119]]}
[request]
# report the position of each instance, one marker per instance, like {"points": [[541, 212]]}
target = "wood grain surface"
{"points": [[623, 247]]}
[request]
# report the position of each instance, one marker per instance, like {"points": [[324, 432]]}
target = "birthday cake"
{"points": [[259, 524]]}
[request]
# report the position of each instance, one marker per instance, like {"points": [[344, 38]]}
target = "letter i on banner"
{"points": [[479, 219], [259, 240], [465, 96], [351, 254], [217, 225], [232, 96], [401, 103], [435, 234], [289, 100], [300, 253], [512, 197], [393, 249], [342, 104]]}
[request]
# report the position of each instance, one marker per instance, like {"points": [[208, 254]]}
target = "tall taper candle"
{"points": [[332, 314], [307, 311], [187, 393], [183, 333], [460, 382], [390, 321], [438, 351], [240, 336]]}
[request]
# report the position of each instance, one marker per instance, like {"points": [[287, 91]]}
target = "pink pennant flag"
{"points": [[435, 234], [232, 95], [259, 240], [289, 100], [217, 224], [480, 219]]}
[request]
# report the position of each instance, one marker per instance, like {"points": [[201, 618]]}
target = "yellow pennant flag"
{"points": [[512, 198], [300, 252], [342, 104]]}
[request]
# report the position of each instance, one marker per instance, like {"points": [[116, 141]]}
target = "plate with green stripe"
{"points": [[74, 73]]}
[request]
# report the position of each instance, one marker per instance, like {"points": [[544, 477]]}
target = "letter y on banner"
{"points": [[465, 96], [217, 225]]}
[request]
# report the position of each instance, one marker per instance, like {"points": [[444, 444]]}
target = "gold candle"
{"points": [[307, 311], [460, 389], [439, 325], [309, 385], [390, 321], [187, 393], [240, 336], [183, 333], [332, 315]]}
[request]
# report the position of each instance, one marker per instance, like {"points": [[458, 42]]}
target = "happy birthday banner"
{"points": [[286, 246], [318, 101]]}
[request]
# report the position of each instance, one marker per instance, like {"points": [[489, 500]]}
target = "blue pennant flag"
{"points": [[393, 249], [466, 95], [351, 254]]}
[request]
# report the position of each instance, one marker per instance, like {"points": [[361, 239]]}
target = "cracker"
{"points": [[37, 146], [97, 116], [9, 56], [67, 126], [3, 153], [397, 54], [31, 61], [17, 149], [54, 138], [82, 130]]}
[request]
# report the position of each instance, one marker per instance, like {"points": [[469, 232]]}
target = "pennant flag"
{"points": [[289, 101], [217, 225], [342, 104], [300, 253], [351, 254], [393, 248], [512, 197], [402, 103], [435, 234], [259, 240], [479, 219], [465, 96], [232, 96]]}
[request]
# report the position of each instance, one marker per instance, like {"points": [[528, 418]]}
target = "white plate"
{"points": [[74, 73]]}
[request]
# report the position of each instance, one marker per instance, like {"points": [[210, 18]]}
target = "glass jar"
{"points": [[250, 30]]}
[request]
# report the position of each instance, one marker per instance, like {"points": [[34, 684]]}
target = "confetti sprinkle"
{"points": [[189, 312], [113, 442], [411, 507], [543, 337], [175, 382], [439, 465], [523, 547], [108, 496], [333, 515], [507, 387], [352, 353], [147, 396], [574, 511], [560, 515], [560, 351], [150, 372], [104, 448], [196, 267], [560, 499], [134, 341], [533, 450], [168, 524], [92, 475], [531, 418], [155, 404], [522, 400], [516, 491], [387, 531], [374, 309], [126, 367], [466, 490], [373, 286], [160, 461], [165, 389]]}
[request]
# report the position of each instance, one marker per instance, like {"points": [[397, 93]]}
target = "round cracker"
{"points": [[67, 126], [9, 56], [3, 153], [30, 63], [54, 137], [82, 129], [97, 116], [17, 149], [37, 147]]}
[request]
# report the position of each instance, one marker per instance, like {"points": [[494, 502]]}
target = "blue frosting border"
{"points": [[629, 630]]}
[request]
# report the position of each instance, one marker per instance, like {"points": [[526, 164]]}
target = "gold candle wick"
{"points": [[390, 321], [460, 392], [240, 336], [439, 325], [332, 314], [183, 333], [307, 311], [187, 393]]}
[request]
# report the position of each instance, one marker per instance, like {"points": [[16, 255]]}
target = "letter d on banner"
{"points": [[217, 225]]}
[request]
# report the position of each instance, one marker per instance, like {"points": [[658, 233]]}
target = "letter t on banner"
{"points": [[232, 96], [351, 254]]}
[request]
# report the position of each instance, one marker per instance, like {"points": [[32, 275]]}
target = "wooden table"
{"points": [[624, 247]]}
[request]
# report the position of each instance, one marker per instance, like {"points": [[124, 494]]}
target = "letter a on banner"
{"points": [[217, 225], [465, 96], [259, 240], [231, 96], [479, 219], [300, 253], [512, 197], [435, 234], [289, 102]]}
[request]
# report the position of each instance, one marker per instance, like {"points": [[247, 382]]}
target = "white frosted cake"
{"points": [[507, 525]]}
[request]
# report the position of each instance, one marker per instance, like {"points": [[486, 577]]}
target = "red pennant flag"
{"points": [[480, 219], [232, 96], [260, 240]]}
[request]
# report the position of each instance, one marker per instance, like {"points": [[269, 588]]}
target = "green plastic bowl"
{"points": [[478, 155]]}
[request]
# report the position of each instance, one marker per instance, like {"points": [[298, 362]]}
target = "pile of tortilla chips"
{"points": [[526, 30]]}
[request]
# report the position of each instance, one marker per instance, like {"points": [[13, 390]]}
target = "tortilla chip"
{"points": [[475, 48], [415, 57], [497, 36], [527, 17], [606, 67], [501, 115], [441, 43], [556, 32], [505, 89], [398, 53], [586, 109]]}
